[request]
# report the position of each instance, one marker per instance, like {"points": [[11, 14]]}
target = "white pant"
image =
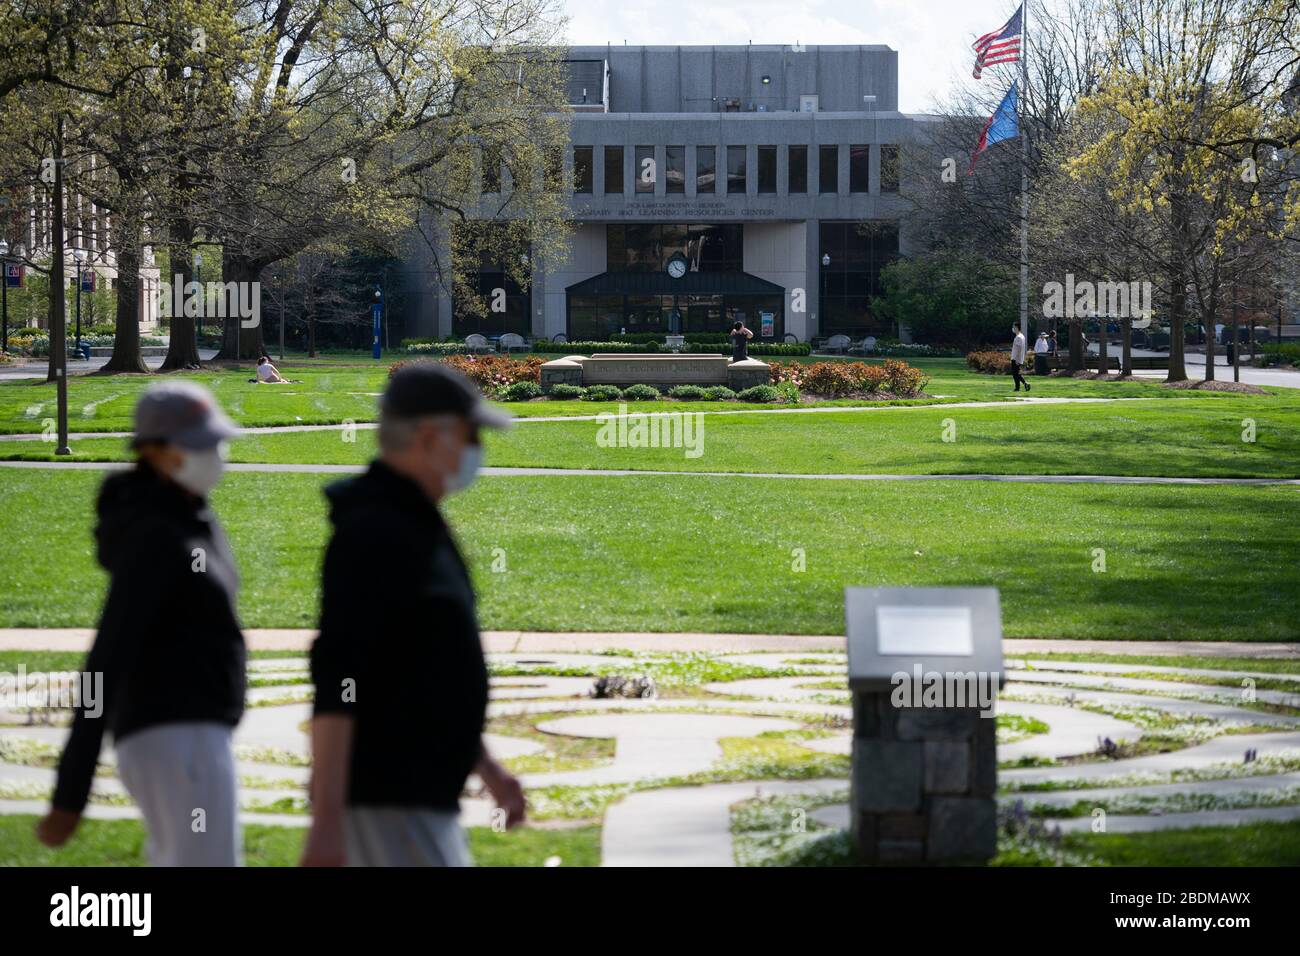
{"points": [[183, 778], [397, 836]]}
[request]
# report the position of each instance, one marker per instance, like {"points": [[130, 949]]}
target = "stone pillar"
{"points": [[923, 782]]}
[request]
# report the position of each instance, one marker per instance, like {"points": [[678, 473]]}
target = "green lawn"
{"points": [[121, 843], [695, 553], [1252, 844], [1193, 437], [340, 391]]}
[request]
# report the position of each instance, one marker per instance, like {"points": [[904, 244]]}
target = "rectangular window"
{"points": [[828, 169], [859, 169], [614, 170], [582, 172], [705, 169], [644, 172], [767, 169], [491, 170], [797, 172], [675, 173], [735, 169], [890, 160]]}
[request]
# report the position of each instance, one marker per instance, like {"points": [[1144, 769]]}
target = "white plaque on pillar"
{"points": [[932, 631]]}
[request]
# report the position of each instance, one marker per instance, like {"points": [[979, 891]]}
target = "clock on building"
{"points": [[677, 265]]}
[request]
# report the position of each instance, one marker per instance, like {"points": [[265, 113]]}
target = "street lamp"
{"points": [[4, 295], [80, 256], [198, 279], [826, 262], [378, 312]]}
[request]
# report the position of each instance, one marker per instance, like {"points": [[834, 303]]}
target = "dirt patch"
{"points": [[1197, 385]]}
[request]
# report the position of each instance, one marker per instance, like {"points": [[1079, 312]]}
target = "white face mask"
{"points": [[201, 470], [471, 459]]}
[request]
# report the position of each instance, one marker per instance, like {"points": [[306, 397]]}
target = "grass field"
{"points": [[121, 843], [695, 553], [340, 392], [1195, 437]]}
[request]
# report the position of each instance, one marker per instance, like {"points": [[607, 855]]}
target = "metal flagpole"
{"points": [[1024, 170]]}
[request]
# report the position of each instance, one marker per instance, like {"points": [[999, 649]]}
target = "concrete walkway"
{"points": [[531, 643], [634, 473], [687, 826], [808, 410]]}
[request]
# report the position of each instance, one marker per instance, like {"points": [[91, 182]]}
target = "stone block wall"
{"points": [[923, 782]]}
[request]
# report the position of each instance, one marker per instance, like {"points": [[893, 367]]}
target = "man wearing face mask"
{"points": [[169, 647], [401, 684]]}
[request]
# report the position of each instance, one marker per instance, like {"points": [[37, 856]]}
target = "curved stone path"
{"points": [[681, 736]]}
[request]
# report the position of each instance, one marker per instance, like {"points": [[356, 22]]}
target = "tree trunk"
{"points": [[126, 336], [182, 346], [241, 341], [1103, 352], [311, 320], [1076, 346], [1178, 291], [1126, 337]]}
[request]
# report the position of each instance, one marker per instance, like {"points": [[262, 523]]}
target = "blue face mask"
{"points": [[471, 460]]}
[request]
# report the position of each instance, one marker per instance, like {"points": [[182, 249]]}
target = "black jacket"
{"points": [[399, 647], [169, 645]]}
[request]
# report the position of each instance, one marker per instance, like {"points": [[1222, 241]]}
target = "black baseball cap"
{"points": [[431, 388]]}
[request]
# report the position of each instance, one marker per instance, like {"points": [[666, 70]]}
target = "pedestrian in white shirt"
{"points": [[1018, 357]]}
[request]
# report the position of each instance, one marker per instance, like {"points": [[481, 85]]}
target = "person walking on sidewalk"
{"points": [[401, 683], [169, 647], [1018, 357]]}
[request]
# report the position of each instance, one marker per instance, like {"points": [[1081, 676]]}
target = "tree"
{"points": [[949, 297]]}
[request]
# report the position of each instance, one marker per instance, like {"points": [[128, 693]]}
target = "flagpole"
{"points": [[1024, 169]]}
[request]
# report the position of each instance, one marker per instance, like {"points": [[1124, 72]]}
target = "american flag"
{"points": [[1000, 46]]}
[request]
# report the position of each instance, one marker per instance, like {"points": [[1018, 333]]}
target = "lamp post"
{"points": [[826, 264], [80, 256], [377, 314], [4, 296], [198, 280]]}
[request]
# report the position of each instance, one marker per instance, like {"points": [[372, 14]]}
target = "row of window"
{"points": [[645, 174]]}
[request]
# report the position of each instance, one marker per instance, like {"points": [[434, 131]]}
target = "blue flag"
{"points": [[1003, 124]]}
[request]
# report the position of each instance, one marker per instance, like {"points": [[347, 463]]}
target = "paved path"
{"points": [[686, 826], [807, 410], [533, 643], [634, 473]]}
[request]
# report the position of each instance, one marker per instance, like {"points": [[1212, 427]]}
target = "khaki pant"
{"points": [[400, 836], [183, 778]]}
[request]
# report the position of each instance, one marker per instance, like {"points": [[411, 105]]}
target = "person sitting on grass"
{"points": [[268, 374]]}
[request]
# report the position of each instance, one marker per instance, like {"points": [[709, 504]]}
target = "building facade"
{"points": [[715, 184]]}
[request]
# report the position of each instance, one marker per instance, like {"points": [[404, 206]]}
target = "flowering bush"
{"points": [[990, 363], [491, 373], [838, 379], [902, 379]]}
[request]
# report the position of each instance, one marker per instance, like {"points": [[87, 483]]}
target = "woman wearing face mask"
{"points": [[166, 669]]}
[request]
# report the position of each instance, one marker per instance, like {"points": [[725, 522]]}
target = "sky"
{"points": [[932, 37]]}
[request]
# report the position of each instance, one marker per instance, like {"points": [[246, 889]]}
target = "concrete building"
{"points": [[712, 184]]}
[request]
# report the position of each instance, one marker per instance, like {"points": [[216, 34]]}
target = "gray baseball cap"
{"points": [[181, 413]]}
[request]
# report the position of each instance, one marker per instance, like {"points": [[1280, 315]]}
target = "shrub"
{"points": [[902, 379], [1284, 353], [640, 393], [788, 391], [492, 374], [601, 393], [566, 391], [989, 362], [718, 393], [754, 348], [828, 378], [687, 393], [520, 391], [759, 393], [435, 348], [586, 348]]}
